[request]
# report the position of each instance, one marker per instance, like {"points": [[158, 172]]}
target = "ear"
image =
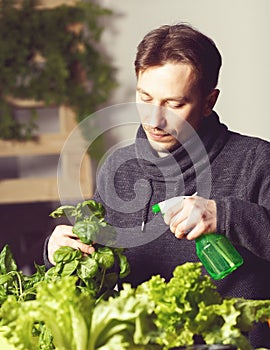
{"points": [[210, 102]]}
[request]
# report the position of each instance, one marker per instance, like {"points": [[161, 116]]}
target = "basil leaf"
{"points": [[7, 262], [69, 268], [66, 254], [106, 234], [88, 209], [105, 257], [86, 231], [65, 210], [123, 263], [88, 268], [96, 208]]}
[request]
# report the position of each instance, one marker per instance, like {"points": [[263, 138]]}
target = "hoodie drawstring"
{"points": [[148, 195]]}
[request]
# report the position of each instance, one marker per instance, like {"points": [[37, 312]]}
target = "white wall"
{"points": [[240, 29]]}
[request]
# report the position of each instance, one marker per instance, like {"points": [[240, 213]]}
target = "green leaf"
{"points": [[177, 303], [7, 262], [57, 79], [86, 231], [123, 262], [88, 268], [251, 311], [45, 338], [90, 227], [104, 257], [66, 254], [106, 235], [65, 313], [65, 210], [91, 207], [124, 319], [69, 268], [5, 278]]}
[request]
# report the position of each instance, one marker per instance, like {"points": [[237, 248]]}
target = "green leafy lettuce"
{"points": [[189, 306], [59, 313], [63, 318], [74, 305]]}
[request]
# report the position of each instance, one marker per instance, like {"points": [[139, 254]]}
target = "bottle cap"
{"points": [[155, 208]]}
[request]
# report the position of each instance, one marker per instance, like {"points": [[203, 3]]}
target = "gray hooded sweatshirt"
{"points": [[219, 164]]}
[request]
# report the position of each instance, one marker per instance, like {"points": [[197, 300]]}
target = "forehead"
{"points": [[168, 80]]}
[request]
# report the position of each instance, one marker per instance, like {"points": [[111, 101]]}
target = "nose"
{"points": [[156, 116]]}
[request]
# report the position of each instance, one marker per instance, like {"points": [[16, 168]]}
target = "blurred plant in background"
{"points": [[51, 55]]}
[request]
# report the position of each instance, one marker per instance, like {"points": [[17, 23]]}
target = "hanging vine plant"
{"points": [[51, 55]]}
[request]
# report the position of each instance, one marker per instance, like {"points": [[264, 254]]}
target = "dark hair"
{"points": [[181, 43]]}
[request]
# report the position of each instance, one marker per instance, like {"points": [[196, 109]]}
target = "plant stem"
{"points": [[103, 272]]}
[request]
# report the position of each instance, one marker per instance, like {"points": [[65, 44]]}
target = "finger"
{"points": [[72, 243], [71, 234], [186, 206], [64, 231], [85, 248], [203, 227], [177, 220], [184, 228], [173, 211], [185, 220], [63, 236]]}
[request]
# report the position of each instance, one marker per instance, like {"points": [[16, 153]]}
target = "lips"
{"points": [[157, 135]]}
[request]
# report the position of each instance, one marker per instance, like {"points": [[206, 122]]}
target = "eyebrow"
{"points": [[171, 98]]}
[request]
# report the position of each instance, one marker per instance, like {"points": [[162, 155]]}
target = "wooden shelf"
{"points": [[45, 189], [76, 175], [48, 4], [28, 190], [45, 145]]}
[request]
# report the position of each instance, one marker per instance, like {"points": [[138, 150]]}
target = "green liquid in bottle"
{"points": [[218, 255], [216, 252]]}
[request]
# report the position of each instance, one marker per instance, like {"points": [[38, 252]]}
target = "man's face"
{"points": [[172, 98]]}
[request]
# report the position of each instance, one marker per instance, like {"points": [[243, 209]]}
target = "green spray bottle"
{"points": [[215, 251]]}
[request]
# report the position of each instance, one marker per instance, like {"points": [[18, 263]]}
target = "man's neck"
{"points": [[163, 154]]}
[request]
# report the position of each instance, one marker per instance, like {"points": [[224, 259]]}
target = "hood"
{"points": [[183, 166]]}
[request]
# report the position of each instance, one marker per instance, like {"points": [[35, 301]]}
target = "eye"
{"points": [[175, 104], [145, 98]]}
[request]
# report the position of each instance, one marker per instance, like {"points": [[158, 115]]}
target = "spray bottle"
{"points": [[215, 251]]}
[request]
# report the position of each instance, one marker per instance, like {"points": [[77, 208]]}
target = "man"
{"points": [[181, 148]]}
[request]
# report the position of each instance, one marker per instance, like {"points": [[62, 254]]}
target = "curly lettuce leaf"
{"points": [[218, 324], [4, 345], [155, 315], [176, 303], [225, 323], [126, 319], [17, 322], [64, 311], [252, 311], [64, 308]]}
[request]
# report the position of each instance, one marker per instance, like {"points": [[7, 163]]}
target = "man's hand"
{"points": [[192, 217], [63, 236]]}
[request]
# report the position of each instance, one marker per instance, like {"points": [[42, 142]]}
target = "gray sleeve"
{"points": [[47, 263], [246, 222]]}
